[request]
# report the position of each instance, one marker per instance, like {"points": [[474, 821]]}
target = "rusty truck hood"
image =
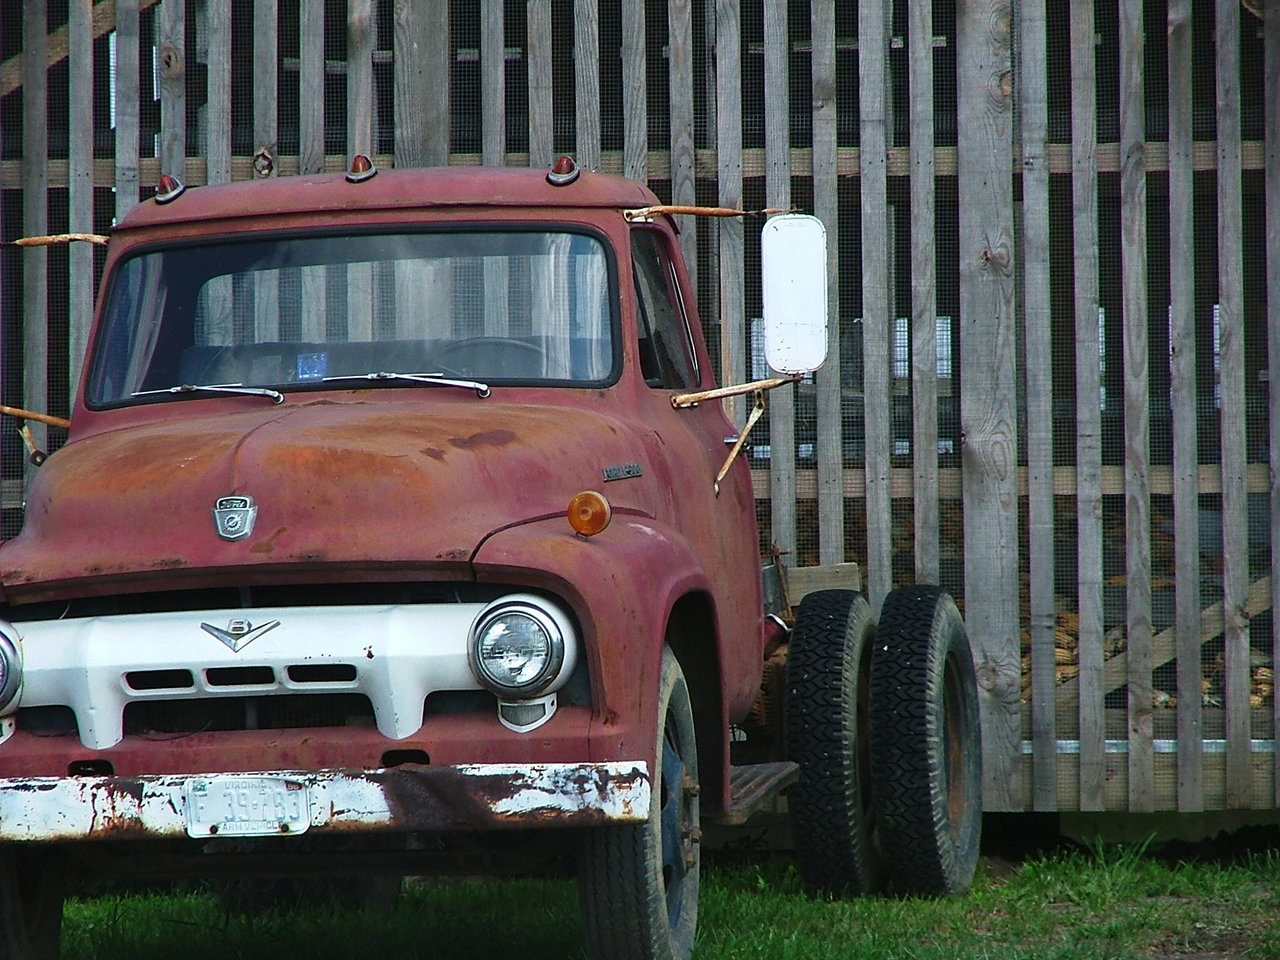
{"points": [[417, 484]]}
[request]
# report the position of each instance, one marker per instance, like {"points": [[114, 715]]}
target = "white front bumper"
{"points": [[406, 798]]}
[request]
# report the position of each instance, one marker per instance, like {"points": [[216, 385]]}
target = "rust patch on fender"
{"points": [[435, 453], [487, 438], [269, 544]]}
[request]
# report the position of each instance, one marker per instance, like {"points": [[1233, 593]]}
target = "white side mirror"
{"points": [[794, 254]]}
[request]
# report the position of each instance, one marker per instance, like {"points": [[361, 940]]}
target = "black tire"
{"points": [[31, 895], [828, 663], [926, 744], [639, 884]]}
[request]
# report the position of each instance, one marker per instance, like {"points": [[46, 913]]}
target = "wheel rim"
{"points": [[676, 824], [954, 735]]}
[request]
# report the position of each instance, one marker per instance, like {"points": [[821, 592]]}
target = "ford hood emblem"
{"points": [[233, 517]]}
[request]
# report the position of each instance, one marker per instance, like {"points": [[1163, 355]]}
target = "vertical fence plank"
{"points": [[361, 38], [1038, 324], [635, 106], [1137, 486], [126, 172], [172, 64], [1182, 379], [421, 84], [777, 162], [35, 219], [988, 377], [683, 188], [541, 129], [311, 90], [924, 293], [80, 193], [266, 95], [1084, 190], [1271, 140], [586, 64], [217, 126], [733, 331], [873, 92], [493, 84], [266, 88], [826, 204], [493, 150], [1235, 545]]}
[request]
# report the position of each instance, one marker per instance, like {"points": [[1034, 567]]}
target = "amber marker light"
{"points": [[168, 188], [361, 169], [589, 513]]}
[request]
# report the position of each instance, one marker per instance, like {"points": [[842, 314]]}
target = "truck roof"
{"points": [[391, 190]]}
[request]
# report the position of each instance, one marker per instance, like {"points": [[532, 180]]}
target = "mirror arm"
{"points": [[32, 415], [738, 444], [720, 393]]}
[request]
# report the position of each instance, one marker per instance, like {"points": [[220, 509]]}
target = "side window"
{"points": [[666, 353]]}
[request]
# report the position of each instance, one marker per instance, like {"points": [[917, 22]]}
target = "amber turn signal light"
{"points": [[589, 513], [168, 188], [361, 169], [563, 172]]}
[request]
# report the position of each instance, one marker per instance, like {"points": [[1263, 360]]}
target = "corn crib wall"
{"points": [[1052, 321]]}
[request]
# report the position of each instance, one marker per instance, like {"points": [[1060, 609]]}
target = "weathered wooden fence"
{"points": [[1055, 308]]}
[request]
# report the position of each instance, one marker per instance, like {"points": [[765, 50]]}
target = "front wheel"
{"points": [[639, 884], [926, 743]]}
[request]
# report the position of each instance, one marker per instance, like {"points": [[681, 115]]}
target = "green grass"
{"points": [[1108, 903]]}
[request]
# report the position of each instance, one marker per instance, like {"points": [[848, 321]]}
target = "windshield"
{"points": [[309, 312]]}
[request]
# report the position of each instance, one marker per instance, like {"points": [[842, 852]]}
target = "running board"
{"points": [[751, 785]]}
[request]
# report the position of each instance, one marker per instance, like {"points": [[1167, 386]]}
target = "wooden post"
{"points": [[635, 106], [311, 123], [586, 77], [924, 293], [988, 377], [80, 192], [1137, 487], [777, 143], [1182, 378], [35, 218], [494, 151], [1271, 73], [361, 39], [1235, 505], [421, 84], [1084, 191], [683, 184], [172, 57], [541, 131], [311, 84], [266, 94], [126, 166], [1038, 326], [829, 450], [733, 321], [877, 312]]}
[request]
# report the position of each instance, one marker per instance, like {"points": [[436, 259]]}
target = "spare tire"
{"points": [[827, 719], [926, 744]]}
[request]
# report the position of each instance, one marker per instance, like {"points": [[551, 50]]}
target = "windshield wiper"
{"points": [[275, 395], [481, 389]]}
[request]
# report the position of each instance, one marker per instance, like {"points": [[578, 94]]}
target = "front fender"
{"points": [[621, 583]]}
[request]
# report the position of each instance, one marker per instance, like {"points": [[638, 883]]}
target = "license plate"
{"points": [[246, 806]]}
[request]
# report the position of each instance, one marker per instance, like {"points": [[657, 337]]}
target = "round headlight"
{"points": [[10, 669], [517, 648]]}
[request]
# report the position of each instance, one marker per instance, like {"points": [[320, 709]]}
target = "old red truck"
{"points": [[394, 523]]}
